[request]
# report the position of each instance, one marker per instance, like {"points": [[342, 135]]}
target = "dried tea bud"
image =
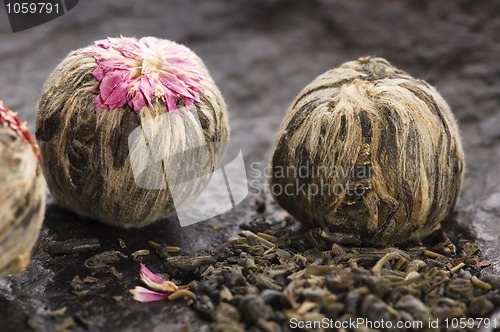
{"points": [[124, 125], [22, 193], [368, 150]]}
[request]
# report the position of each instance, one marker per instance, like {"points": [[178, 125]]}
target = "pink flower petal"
{"points": [[170, 100], [172, 82], [148, 274], [11, 120], [118, 96], [111, 81], [155, 281], [142, 294], [188, 102], [138, 100], [484, 263], [147, 89], [98, 73], [99, 104]]}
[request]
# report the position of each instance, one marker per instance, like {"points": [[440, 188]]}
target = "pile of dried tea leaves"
{"points": [[269, 276]]}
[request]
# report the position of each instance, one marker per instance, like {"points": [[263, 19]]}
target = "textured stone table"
{"points": [[261, 53]]}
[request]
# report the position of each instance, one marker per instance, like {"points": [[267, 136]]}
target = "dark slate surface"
{"points": [[261, 53]]}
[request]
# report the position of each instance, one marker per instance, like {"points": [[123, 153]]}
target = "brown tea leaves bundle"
{"points": [[94, 103], [368, 151], [22, 193]]}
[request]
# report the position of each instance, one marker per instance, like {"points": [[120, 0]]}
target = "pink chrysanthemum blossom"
{"points": [[11, 120], [133, 72]]}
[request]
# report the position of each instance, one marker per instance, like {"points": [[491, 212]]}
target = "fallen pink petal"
{"points": [[155, 281], [133, 72], [142, 294], [484, 263]]}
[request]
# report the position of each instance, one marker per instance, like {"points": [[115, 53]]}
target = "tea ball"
{"points": [[126, 123], [22, 193], [367, 150]]}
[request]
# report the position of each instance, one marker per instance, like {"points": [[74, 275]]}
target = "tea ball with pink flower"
{"points": [[22, 193], [130, 129]]}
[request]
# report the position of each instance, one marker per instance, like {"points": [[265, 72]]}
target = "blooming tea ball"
{"points": [[369, 151], [22, 193], [125, 125]]}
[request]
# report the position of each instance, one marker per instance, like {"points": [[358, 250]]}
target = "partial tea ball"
{"points": [[124, 124], [367, 150], [22, 193]]}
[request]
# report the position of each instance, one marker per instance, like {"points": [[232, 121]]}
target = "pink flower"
{"points": [[135, 72], [156, 282], [11, 120]]}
